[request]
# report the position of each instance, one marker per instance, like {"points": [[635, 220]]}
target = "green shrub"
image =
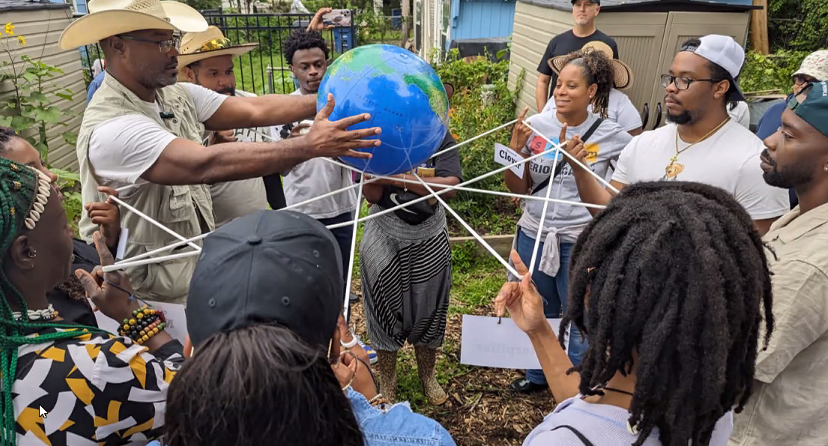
{"points": [[771, 72]]}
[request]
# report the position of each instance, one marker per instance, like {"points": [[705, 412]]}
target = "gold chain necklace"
{"points": [[679, 152]]}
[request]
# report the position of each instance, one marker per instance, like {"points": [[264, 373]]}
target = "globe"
{"points": [[404, 97]]}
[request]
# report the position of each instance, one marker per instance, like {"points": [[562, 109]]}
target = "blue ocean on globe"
{"points": [[404, 97]]}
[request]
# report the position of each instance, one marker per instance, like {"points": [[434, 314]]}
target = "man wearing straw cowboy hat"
{"points": [[620, 110], [206, 59], [142, 134]]}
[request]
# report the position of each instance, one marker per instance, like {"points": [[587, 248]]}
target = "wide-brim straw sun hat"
{"points": [[109, 18], [623, 75], [210, 43]]}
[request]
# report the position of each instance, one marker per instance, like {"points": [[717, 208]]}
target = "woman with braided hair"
{"points": [[68, 297], [584, 81], [96, 388], [670, 285]]}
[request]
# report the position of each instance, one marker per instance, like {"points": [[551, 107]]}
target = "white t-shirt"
{"points": [[620, 110], [316, 177], [740, 113], [121, 149], [604, 145], [603, 425], [729, 159]]}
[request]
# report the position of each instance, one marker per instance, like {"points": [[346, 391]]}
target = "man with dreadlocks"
{"points": [[790, 405], [669, 285], [96, 388]]}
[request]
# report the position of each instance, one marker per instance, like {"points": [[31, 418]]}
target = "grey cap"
{"points": [[270, 267]]}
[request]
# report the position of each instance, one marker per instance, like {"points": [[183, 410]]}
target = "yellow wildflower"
{"points": [[22, 40], [9, 29]]}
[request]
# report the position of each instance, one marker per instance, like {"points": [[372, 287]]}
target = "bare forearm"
{"points": [[555, 363], [590, 190], [541, 94], [184, 162], [372, 193], [262, 111], [435, 183]]}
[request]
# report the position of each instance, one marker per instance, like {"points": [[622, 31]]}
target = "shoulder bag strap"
{"points": [[578, 434], [560, 165]]}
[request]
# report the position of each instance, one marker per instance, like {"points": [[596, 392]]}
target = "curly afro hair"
{"points": [[597, 70], [304, 40], [676, 273]]}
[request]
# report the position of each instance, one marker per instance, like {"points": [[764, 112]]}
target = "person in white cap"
{"points": [[142, 134], [701, 142]]}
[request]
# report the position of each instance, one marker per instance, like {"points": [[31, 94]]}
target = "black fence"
{"points": [[263, 70]]}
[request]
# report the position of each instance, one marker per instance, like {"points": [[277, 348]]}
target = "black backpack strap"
{"points": [[578, 434], [560, 165]]}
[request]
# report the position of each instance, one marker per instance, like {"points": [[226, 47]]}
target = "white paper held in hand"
{"points": [[486, 343], [505, 156]]}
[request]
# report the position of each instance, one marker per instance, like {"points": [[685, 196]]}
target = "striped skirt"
{"points": [[406, 280]]}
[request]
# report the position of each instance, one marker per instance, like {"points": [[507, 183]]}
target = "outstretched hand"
{"points": [[107, 215], [332, 139], [110, 292], [522, 300]]}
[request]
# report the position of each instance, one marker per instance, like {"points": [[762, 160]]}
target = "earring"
{"points": [[32, 254]]}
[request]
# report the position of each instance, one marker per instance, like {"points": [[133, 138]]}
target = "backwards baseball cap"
{"points": [[726, 53], [270, 267], [814, 107], [815, 65]]}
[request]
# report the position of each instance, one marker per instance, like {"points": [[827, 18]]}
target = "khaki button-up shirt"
{"points": [[789, 405]]}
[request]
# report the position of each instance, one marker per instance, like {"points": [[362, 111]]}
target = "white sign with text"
{"points": [[486, 343], [505, 156]]}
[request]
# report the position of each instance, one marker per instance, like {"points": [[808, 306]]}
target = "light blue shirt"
{"points": [[94, 85], [396, 426]]}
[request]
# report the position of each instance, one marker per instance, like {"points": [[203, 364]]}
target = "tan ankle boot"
{"points": [[426, 362], [387, 365]]}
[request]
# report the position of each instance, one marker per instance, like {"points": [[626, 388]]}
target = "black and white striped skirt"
{"points": [[406, 280]]}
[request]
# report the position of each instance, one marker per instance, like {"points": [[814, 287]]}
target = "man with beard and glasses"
{"points": [[142, 134], [700, 143], [791, 381], [207, 59]]}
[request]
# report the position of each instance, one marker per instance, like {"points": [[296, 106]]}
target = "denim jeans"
{"points": [[554, 291]]}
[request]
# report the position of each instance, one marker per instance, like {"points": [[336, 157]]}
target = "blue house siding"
{"points": [[478, 19]]}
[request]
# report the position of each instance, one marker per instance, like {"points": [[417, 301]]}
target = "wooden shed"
{"points": [[649, 34], [41, 23]]}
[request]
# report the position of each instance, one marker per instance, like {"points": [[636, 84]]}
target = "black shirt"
{"points": [[566, 43]]}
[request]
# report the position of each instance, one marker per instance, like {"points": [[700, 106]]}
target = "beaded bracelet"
{"points": [[145, 323]]}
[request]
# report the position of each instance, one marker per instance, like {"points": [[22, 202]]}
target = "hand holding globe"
{"points": [[333, 139]]}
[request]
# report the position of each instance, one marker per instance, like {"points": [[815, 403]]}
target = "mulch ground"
{"points": [[480, 409]]}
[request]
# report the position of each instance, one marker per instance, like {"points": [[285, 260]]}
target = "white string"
{"points": [[557, 153], [353, 252], [131, 263], [468, 228], [157, 224], [165, 248], [572, 159], [448, 188]]}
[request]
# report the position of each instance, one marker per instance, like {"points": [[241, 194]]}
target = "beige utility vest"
{"points": [[183, 209]]}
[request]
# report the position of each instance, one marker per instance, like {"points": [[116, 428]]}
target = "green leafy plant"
{"points": [[29, 107], [771, 72]]}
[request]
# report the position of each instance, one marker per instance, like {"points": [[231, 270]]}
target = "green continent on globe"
{"points": [[437, 99], [360, 59]]}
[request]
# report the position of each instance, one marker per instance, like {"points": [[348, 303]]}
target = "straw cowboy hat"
{"points": [[622, 72], [207, 44], [109, 18]]}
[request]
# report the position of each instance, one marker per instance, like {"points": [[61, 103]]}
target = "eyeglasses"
{"points": [[682, 83], [165, 46], [801, 80]]}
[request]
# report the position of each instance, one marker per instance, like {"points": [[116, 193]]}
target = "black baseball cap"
{"points": [[270, 267]]}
